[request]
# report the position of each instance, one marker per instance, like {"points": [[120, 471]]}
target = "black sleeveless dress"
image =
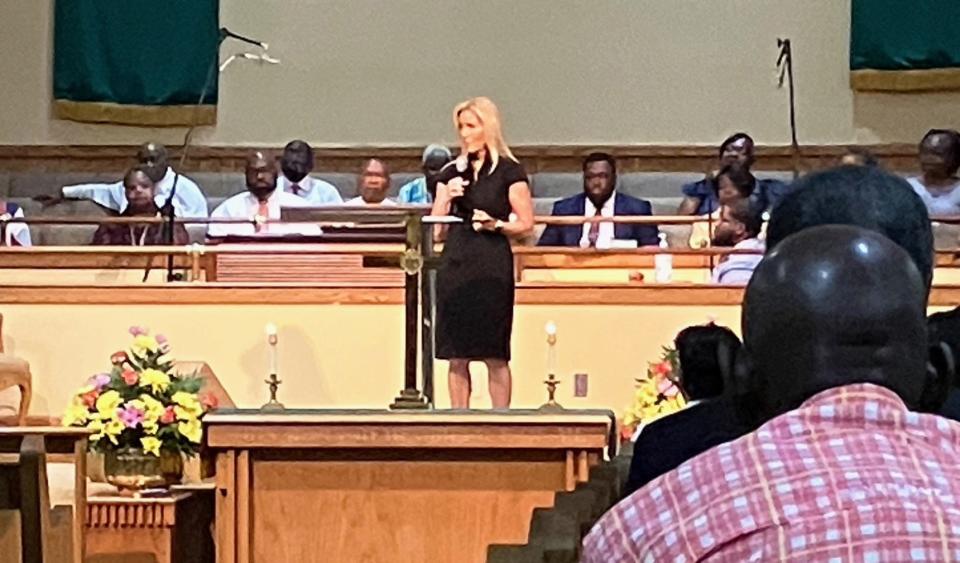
{"points": [[475, 280]]}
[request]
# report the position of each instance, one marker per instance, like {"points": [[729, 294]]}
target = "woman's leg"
{"points": [[501, 383], [458, 380]]}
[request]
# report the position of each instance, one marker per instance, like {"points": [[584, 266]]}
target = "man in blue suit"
{"points": [[598, 199]]}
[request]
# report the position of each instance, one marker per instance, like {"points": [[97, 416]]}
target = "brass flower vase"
{"points": [[131, 470]]}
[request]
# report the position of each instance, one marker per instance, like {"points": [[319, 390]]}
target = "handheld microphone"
{"points": [[224, 33], [464, 165]]}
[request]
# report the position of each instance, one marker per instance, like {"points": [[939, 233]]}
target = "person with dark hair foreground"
{"points": [[707, 421], [861, 196], [834, 328]]}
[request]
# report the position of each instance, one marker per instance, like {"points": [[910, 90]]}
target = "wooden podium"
{"points": [[309, 485]]}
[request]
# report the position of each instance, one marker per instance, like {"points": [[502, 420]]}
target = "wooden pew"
{"points": [[25, 499]]}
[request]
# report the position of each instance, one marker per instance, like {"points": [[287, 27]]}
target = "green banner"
{"points": [[137, 62], [904, 45]]}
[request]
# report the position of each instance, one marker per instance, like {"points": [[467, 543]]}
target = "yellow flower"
{"points": [[150, 445], [76, 414], [191, 430], [150, 427], [189, 404], [156, 379], [108, 403], [152, 408], [112, 429], [144, 343], [96, 426]]}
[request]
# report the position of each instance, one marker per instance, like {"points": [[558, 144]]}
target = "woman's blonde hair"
{"points": [[489, 116]]}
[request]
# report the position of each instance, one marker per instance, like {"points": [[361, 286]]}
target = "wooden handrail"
{"points": [[368, 249], [356, 221]]}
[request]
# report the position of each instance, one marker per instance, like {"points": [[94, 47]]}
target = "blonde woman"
{"points": [[487, 188]]}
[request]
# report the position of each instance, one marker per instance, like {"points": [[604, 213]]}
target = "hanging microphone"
{"points": [[224, 33]]}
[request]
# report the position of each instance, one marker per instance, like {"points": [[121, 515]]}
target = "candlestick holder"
{"points": [[551, 381], [273, 383], [551, 405]]}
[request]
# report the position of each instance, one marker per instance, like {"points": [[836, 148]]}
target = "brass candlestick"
{"points": [[273, 404], [273, 382], [551, 381]]}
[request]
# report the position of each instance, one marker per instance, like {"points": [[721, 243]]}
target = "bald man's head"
{"points": [[261, 173], [153, 160], [831, 306]]}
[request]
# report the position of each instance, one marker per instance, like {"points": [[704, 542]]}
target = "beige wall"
{"points": [[340, 355], [348, 356], [376, 72]]}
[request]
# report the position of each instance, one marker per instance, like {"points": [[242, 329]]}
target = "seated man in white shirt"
{"points": [[373, 185], [15, 234], [739, 227], [262, 201], [296, 163], [189, 201]]}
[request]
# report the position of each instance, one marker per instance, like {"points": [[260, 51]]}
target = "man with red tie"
{"points": [[599, 200]]}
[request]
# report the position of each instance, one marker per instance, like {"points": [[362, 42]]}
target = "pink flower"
{"points": [[130, 416], [209, 401], [99, 381], [118, 358], [168, 416], [130, 377], [161, 339], [666, 388], [137, 330]]}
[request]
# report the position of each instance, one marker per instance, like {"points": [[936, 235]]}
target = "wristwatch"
{"points": [[498, 225]]}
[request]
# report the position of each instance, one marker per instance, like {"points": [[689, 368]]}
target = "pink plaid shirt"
{"points": [[851, 475]]}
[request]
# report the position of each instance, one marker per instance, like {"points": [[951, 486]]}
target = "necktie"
{"points": [[263, 212], [296, 189], [594, 233]]}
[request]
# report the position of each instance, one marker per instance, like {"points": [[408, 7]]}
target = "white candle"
{"points": [[551, 329], [272, 341]]}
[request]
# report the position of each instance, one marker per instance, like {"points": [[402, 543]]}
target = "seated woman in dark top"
{"points": [[709, 420], [140, 191]]}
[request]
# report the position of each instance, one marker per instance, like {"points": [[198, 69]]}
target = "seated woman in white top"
{"points": [[373, 185], [261, 201], [939, 186]]}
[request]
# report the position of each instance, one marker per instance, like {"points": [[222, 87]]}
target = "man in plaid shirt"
{"points": [[834, 329]]}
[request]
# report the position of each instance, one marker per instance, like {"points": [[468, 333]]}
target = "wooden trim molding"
{"points": [[528, 293], [536, 158], [916, 80]]}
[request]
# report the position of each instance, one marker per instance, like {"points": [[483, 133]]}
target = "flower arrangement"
{"points": [[141, 404], [658, 393]]}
